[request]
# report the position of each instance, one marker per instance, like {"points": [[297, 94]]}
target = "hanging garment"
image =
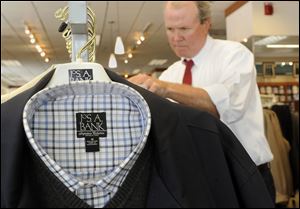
{"points": [[190, 159], [286, 123], [88, 134], [280, 165]]}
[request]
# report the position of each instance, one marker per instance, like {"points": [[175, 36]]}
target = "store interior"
{"points": [[31, 44]]}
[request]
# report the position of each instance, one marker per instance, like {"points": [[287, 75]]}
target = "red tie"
{"points": [[187, 78]]}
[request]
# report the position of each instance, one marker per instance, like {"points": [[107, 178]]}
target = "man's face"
{"points": [[186, 35]]}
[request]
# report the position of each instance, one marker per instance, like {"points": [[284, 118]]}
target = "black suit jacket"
{"points": [[195, 161]]}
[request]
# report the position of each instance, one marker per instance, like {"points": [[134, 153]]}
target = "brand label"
{"points": [[80, 74], [91, 126]]}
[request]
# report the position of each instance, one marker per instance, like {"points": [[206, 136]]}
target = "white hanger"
{"points": [[76, 72]]}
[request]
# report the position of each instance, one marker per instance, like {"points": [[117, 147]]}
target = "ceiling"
{"points": [[134, 16]]}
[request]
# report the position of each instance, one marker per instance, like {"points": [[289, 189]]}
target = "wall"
{"points": [[249, 20], [284, 21]]}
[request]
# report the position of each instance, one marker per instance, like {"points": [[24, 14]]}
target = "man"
{"points": [[213, 75]]}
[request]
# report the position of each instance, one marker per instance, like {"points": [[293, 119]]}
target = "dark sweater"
{"points": [[191, 159]]}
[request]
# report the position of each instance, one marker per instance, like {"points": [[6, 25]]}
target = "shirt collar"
{"points": [[198, 58], [86, 88]]}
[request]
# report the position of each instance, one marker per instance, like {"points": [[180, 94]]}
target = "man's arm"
{"points": [[183, 94]]}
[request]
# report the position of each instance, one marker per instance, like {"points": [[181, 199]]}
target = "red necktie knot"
{"points": [[187, 78]]}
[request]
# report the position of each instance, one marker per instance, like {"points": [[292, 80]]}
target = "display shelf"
{"points": [[285, 92]]}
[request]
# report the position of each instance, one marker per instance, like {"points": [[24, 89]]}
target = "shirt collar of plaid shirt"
{"points": [[49, 122]]}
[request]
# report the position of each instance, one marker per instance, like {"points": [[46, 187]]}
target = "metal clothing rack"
{"points": [[78, 24], [79, 32]]}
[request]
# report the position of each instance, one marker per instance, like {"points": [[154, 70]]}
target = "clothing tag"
{"points": [[91, 144], [91, 126], [80, 74]]}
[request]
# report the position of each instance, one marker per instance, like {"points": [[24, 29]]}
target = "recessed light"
{"points": [[283, 46]]}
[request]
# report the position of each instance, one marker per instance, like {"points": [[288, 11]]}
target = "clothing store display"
{"points": [[187, 78], [284, 115], [194, 161], [280, 166], [48, 126], [232, 89]]}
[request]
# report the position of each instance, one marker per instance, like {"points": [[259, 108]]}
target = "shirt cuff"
{"points": [[220, 97]]}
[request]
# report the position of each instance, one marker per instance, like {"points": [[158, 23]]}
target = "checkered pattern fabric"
{"points": [[49, 120]]}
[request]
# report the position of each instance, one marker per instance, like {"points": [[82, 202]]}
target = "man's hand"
{"points": [[184, 94], [152, 84]]}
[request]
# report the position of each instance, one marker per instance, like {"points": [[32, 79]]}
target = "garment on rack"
{"points": [[295, 145], [190, 159], [52, 115], [284, 115], [280, 165], [26, 86], [295, 123]]}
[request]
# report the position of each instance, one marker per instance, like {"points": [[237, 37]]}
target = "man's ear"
{"points": [[207, 23]]}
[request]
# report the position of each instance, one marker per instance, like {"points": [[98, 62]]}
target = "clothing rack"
{"points": [[78, 23], [78, 30]]}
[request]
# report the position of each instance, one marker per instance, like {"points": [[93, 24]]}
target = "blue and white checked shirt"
{"points": [[49, 120]]}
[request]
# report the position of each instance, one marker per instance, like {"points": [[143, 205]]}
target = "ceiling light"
{"points": [[46, 59], [290, 63], [138, 42], [125, 61], [38, 48], [27, 31], [112, 63], [119, 46], [269, 40], [129, 55], [142, 38], [283, 46], [32, 40]]}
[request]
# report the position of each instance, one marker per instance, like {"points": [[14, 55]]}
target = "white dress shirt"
{"points": [[226, 70]]}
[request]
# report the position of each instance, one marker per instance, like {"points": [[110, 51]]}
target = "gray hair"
{"points": [[204, 9]]}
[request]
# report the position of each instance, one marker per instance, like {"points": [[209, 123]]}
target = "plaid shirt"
{"points": [[49, 120]]}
